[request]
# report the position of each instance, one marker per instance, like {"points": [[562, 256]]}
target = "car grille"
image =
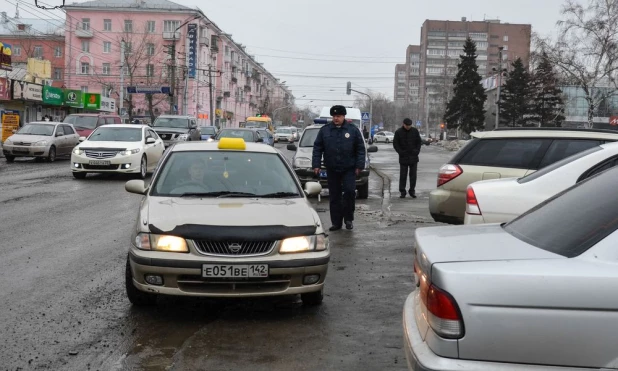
{"points": [[100, 154], [100, 167], [22, 144], [167, 136], [233, 248]]}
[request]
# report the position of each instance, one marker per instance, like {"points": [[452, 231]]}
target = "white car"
{"points": [[284, 134], [131, 149], [383, 136], [501, 200]]}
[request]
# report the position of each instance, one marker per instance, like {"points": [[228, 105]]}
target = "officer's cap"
{"points": [[338, 110]]}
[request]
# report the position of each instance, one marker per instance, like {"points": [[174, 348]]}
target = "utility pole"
{"points": [[499, 85], [426, 112], [172, 51], [121, 105], [210, 90], [349, 91]]}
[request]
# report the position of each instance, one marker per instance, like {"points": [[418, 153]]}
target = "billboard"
{"points": [[192, 58], [5, 56]]}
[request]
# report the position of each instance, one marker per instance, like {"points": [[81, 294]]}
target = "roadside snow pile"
{"points": [[452, 145]]}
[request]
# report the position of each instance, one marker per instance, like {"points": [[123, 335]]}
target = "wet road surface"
{"points": [[63, 246]]}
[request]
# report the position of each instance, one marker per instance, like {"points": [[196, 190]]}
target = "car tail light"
{"points": [[443, 314], [472, 204], [447, 173]]}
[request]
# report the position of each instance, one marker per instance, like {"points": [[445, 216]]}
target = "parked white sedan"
{"points": [[131, 149], [501, 200], [383, 136]]}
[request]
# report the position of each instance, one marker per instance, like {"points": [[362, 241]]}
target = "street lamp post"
{"points": [[280, 108], [350, 90], [173, 100], [499, 85]]}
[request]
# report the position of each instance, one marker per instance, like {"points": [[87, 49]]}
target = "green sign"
{"points": [[92, 101], [53, 96], [73, 98]]}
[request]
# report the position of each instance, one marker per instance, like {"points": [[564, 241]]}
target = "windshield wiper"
{"points": [[279, 194], [220, 194]]}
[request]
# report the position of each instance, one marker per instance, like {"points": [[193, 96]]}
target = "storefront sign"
{"points": [[10, 122], [33, 92], [192, 36], [108, 104], [5, 57], [16, 91], [92, 101], [5, 89], [73, 98], [53, 96]]}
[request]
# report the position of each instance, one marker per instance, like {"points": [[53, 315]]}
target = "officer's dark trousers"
{"points": [[342, 194], [404, 170]]}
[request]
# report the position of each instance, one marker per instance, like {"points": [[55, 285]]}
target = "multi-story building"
{"points": [[155, 47]]}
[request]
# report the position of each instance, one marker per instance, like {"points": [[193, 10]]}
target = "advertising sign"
{"points": [[192, 60], [32, 92], [73, 98], [5, 89], [613, 120], [108, 104], [10, 122], [5, 56], [149, 90], [53, 96], [92, 101], [16, 91]]}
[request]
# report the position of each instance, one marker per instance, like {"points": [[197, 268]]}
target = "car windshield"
{"points": [[82, 122], [247, 135], [171, 122], [209, 131], [37, 129], [263, 133], [225, 174], [107, 134], [548, 169], [308, 138], [284, 131], [256, 124]]}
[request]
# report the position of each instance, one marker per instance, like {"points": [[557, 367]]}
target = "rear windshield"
{"points": [[209, 131], [82, 122], [556, 165], [171, 122], [247, 135], [573, 221], [516, 153]]}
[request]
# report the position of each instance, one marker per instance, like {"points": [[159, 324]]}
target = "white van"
{"points": [[353, 116]]}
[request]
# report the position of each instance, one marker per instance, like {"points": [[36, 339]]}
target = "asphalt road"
{"points": [[63, 245]]}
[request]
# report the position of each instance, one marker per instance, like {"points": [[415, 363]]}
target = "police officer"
{"points": [[343, 148]]}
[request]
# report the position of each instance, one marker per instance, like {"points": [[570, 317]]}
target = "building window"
{"points": [[478, 36], [106, 68], [505, 47], [170, 26], [150, 26], [128, 48], [58, 52], [17, 51], [128, 25], [85, 68], [38, 52], [150, 70], [86, 24], [107, 25], [57, 73], [107, 47], [84, 89], [150, 49], [505, 38], [106, 91], [86, 46]]}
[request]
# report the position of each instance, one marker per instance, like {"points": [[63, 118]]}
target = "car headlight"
{"points": [[78, 151], [40, 143], [157, 242], [183, 137], [8, 142], [130, 152], [210, 139], [302, 162], [304, 244]]}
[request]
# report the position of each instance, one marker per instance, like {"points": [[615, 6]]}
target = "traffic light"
{"points": [[441, 126], [349, 88], [258, 115]]}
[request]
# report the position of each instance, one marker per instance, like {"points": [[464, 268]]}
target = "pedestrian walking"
{"points": [[343, 148], [407, 144]]}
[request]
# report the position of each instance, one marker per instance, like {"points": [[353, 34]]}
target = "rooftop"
{"points": [[131, 4], [34, 26]]}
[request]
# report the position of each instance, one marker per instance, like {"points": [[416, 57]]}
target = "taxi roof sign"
{"points": [[232, 143]]}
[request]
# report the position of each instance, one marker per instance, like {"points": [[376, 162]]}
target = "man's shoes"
{"points": [[349, 225], [403, 195], [334, 228], [412, 194]]}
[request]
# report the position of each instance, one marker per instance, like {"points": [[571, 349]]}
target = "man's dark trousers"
{"points": [[341, 206], [404, 171]]}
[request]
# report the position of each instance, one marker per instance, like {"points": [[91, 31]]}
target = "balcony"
{"points": [[204, 41], [84, 34], [227, 58], [171, 35], [247, 88]]}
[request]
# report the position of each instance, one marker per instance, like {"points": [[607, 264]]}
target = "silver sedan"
{"points": [[41, 140], [538, 293]]}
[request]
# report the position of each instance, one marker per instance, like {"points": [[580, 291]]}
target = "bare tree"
{"points": [[586, 50]]}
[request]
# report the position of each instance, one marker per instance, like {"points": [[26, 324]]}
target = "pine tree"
{"points": [[516, 97], [547, 102], [465, 109]]}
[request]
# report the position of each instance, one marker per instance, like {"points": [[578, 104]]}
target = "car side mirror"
{"points": [[81, 139], [136, 186], [150, 141], [292, 147], [372, 149], [313, 188]]}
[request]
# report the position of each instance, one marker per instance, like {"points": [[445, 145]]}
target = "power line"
{"points": [[317, 54], [323, 60]]}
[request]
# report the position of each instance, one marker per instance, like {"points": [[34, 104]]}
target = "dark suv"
{"points": [[173, 129]]}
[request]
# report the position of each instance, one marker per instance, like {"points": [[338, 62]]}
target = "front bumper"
{"points": [[25, 151], [284, 139], [307, 175], [182, 274], [118, 164]]}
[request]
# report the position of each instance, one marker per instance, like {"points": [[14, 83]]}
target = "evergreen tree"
{"points": [[547, 102], [516, 97], [466, 110]]}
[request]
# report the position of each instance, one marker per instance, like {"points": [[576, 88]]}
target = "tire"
{"points": [[143, 168], [9, 158], [135, 296], [312, 298], [77, 175], [387, 141], [51, 156], [363, 191]]}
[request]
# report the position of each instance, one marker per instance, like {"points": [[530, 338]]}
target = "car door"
{"points": [[72, 137], [60, 141], [159, 146], [151, 149]]}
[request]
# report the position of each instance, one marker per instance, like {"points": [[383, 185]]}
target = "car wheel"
{"points": [[137, 297], [143, 168], [51, 156], [312, 298], [77, 175], [363, 191], [387, 140], [9, 158]]}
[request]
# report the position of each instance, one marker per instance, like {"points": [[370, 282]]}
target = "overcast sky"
{"points": [[318, 45]]}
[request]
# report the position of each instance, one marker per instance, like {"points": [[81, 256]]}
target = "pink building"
{"points": [[209, 73]]}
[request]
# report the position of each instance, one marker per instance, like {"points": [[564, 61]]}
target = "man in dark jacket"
{"points": [[343, 148], [407, 143]]}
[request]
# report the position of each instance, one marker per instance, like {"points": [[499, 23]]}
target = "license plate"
{"points": [[322, 173], [99, 162], [235, 271], [21, 150]]}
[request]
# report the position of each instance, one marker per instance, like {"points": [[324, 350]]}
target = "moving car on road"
{"points": [[384, 136], [207, 132], [248, 135], [124, 148], [176, 129], [85, 123], [533, 294], [267, 136], [226, 219], [41, 140], [284, 134]]}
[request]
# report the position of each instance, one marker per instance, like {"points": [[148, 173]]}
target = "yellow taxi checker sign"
{"points": [[347, 135], [232, 143]]}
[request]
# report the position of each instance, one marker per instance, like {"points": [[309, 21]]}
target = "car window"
{"points": [[308, 138], [148, 134], [209, 131], [558, 164], [511, 153], [562, 148], [37, 129], [82, 122], [573, 221], [59, 130], [153, 134], [284, 131], [101, 121], [247, 135], [67, 130], [171, 122], [224, 171], [110, 120], [599, 168], [112, 134]]}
